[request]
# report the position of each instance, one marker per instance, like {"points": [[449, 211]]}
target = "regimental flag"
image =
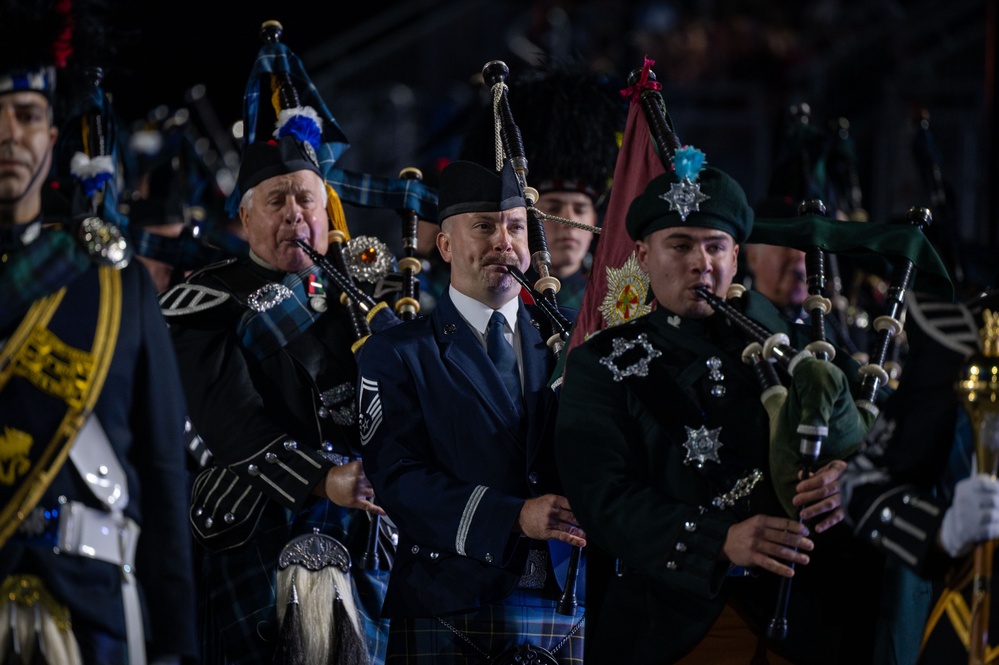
{"points": [[618, 288]]}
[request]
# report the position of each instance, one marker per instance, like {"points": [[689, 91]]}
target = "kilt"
{"points": [[524, 617]]}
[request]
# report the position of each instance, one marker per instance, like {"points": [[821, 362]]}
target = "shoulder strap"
{"points": [[66, 390]]}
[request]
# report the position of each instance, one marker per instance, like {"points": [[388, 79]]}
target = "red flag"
{"points": [[612, 287]]}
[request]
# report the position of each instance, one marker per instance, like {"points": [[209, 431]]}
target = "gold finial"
{"points": [[990, 333]]}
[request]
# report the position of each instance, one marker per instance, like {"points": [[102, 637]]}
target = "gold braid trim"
{"points": [[54, 455]]}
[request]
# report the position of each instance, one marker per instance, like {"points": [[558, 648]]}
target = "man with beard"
{"points": [[457, 420]]}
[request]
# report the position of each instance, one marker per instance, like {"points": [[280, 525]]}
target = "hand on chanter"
{"points": [[549, 517], [767, 542], [819, 495], [347, 486]]}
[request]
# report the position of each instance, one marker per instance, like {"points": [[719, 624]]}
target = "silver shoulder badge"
{"points": [[268, 296], [105, 243], [185, 299], [641, 365]]}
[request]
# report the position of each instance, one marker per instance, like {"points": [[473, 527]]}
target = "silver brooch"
{"points": [[267, 296], [105, 242], [702, 446], [638, 368], [684, 197], [368, 258], [315, 551]]}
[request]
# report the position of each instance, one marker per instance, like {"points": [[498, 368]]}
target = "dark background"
{"points": [[400, 77]]}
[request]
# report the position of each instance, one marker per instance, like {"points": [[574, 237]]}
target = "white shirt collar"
{"points": [[477, 314]]}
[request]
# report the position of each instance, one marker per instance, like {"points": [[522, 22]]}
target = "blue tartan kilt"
{"points": [[524, 618]]}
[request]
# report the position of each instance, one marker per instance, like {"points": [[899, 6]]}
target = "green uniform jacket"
{"points": [[621, 454]]}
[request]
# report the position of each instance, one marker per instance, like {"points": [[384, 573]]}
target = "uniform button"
{"points": [[62, 500], [209, 522], [199, 511], [489, 558], [290, 445], [681, 547], [253, 470], [532, 477], [416, 549], [690, 526], [270, 457], [323, 412], [886, 515], [435, 555], [906, 498], [671, 565], [229, 518], [102, 470], [875, 536]]}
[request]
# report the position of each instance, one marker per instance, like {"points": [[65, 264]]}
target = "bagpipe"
{"points": [[544, 290], [816, 414], [346, 263]]}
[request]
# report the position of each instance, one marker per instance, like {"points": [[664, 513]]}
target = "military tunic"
{"points": [[276, 417], [643, 405], [141, 410]]}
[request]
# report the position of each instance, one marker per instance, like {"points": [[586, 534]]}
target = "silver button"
{"points": [[209, 522], [488, 558], [435, 555], [671, 565], [532, 477], [323, 412], [875, 536], [290, 445], [62, 500], [229, 518], [270, 457], [199, 511], [102, 470], [681, 547], [416, 549], [253, 470], [886, 515], [690, 526], [328, 446], [907, 498]]}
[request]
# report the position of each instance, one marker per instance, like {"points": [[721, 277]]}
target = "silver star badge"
{"points": [[684, 197], [702, 446], [640, 367]]}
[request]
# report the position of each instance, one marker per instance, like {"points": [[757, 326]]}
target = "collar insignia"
{"points": [[641, 365]]}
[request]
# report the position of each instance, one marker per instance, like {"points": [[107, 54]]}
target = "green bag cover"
{"points": [[819, 395]]}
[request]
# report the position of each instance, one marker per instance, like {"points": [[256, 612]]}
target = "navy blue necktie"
{"points": [[502, 354]]}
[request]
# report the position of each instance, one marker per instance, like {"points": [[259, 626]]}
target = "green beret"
{"points": [[721, 204]]}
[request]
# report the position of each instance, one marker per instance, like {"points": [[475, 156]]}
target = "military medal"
{"points": [[317, 294], [702, 446]]}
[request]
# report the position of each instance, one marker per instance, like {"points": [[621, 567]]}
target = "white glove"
{"points": [[973, 517]]}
